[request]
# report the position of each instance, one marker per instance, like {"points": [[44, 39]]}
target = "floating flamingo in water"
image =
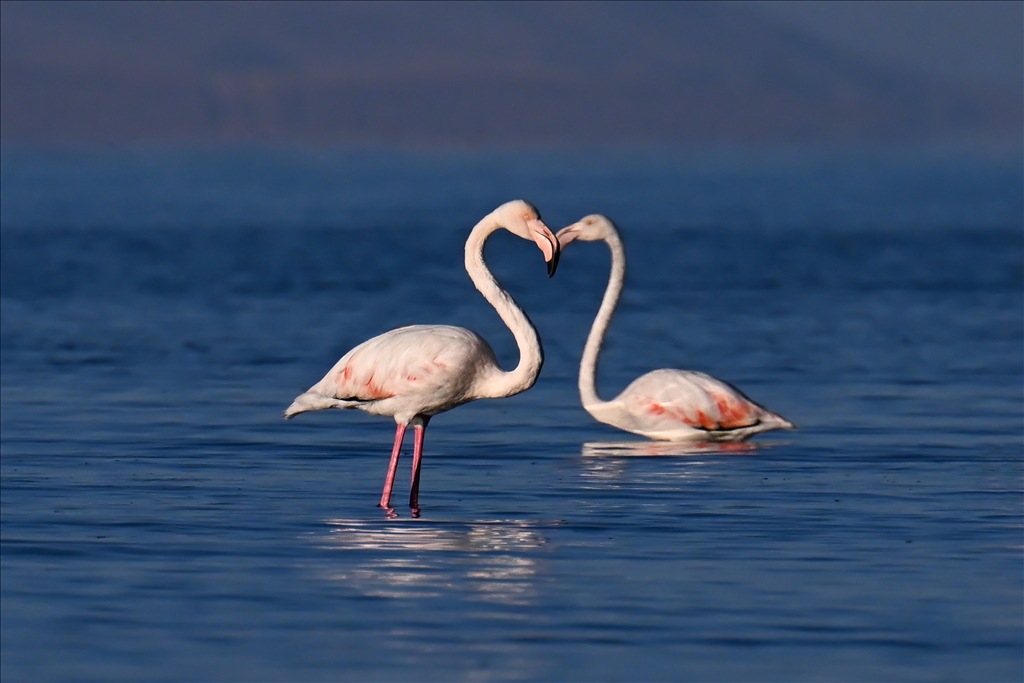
{"points": [[416, 372], [668, 405]]}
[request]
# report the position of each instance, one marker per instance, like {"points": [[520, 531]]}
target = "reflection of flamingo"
{"points": [[416, 372], [668, 405], [644, 449]]}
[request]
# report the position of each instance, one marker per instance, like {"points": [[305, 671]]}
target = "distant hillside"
{"points": [[457, 73]]}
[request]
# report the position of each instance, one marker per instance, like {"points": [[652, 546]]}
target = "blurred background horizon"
{"points": [[442, 74]]}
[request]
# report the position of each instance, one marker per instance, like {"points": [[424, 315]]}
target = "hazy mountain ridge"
{"points": [[457, 73]]}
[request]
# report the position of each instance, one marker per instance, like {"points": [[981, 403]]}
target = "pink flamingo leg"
{"points": [[385, 498], [417, 457]]}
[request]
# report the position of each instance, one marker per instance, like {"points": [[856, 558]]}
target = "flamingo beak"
{"points": [[568, 235], [547, 242], [553, 262]]}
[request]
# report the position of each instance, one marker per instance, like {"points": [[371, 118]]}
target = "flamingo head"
{"points": [[522, 219], [592, 228]]}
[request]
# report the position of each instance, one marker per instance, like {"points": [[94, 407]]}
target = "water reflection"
{"points": [[619, 449], [483, 560], [605, 463]]}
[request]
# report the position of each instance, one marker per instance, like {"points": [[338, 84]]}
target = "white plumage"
{"points": [[416, 370]]}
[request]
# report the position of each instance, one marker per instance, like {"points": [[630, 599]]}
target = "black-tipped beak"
{"points": [[553, 263], [546, 241]]}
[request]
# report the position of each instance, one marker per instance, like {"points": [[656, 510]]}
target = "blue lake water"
{"points": [[160, 521]]}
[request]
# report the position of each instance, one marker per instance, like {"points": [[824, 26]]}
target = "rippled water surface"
{"points": [[160, 521]]}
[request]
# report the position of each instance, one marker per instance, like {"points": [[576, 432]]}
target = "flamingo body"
{"points": [[415, 370], [668, 405], [681, 405]]}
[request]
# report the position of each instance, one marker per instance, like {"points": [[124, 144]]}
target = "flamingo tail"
{"points": [[309, 401], [772, 420]]}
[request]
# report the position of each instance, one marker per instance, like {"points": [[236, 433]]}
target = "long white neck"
{"points": [[592, 350], [531, 354]]}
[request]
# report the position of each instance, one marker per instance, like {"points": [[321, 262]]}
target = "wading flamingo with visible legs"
{"points": [[668, 405], [415, 372]]}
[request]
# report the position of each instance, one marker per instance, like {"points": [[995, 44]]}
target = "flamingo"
{"points": [[666, 405], [413, 373]]}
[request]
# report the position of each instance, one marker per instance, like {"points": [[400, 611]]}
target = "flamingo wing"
{"points": [[664, 400], [431, 362]]}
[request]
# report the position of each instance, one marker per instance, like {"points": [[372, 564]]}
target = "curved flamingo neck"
{"points": [[531, 354], [592, 349]]}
